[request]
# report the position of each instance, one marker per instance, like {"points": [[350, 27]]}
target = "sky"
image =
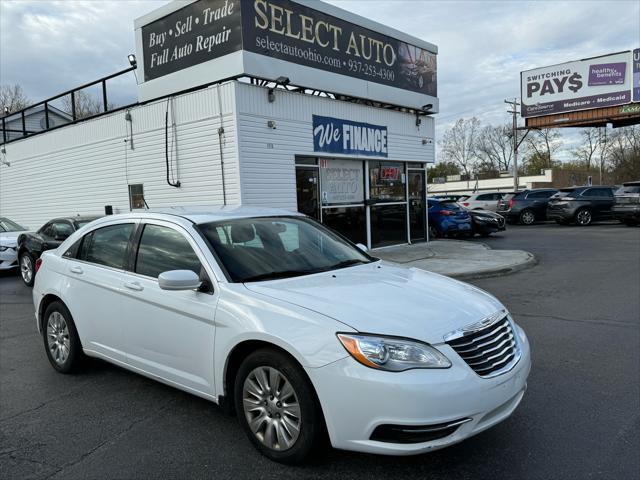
{"points": [[52, 46]]}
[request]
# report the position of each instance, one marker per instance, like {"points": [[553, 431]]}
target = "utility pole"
{"points": [[516, 144], [514, 113]]}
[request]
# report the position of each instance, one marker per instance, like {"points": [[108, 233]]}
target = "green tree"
{"points": [[442, 169]]}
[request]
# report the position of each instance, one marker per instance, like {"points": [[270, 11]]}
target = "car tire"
{"points": [[630, 223], [433, 231], [61, 340], [583, 217], [527, 217], [278, 408], [27, 268]]}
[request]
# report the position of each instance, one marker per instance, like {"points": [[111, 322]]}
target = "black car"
{"points": [[526, 207], [485, 222], [581, 205], [50, 236], [627, 206]]}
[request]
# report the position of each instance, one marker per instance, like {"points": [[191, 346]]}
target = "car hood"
{"points": [[9, 239], [387, 299]]}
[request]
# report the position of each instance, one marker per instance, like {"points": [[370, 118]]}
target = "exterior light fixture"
{"points": [[271, 124], [282, 81], [132, 60], [425, 110]]}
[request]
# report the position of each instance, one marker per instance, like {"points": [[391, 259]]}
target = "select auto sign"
{"points": [[581, 85]]}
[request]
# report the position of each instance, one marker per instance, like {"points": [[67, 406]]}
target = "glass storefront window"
{"points": [[388, 225], [349, 221], [387, 181]]}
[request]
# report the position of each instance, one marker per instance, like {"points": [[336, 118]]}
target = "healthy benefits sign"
{"points": [[334, 135], [582, 85]]}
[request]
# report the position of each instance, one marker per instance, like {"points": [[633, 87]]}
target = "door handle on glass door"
{"points": [[134, 286], [77, 270]]}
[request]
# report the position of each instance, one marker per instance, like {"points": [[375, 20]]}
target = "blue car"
{"points": [[447, 218]]}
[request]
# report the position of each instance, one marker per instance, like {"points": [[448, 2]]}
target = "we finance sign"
{"points": [[334, 135]]}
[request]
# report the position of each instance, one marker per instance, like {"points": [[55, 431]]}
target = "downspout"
{"points": [[220, 138]]}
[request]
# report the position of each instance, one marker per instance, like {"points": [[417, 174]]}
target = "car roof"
{"points": [[77, 218], [206, 214]]}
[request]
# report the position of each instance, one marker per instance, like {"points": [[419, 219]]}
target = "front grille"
{"points": [[490, 350]]}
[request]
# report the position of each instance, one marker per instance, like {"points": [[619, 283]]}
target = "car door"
{"points": [[169, 334], [94, 293], [598, 201]]}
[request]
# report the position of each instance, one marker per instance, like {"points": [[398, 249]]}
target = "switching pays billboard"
{"points": [[581, 85], [321, 45]]}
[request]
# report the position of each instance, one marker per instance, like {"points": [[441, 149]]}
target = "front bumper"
{"points": [[356, 399], [8, 259]]}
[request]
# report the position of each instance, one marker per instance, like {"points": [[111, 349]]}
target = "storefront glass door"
{"points": [[417, 211], [307, 191], [388, 203]]}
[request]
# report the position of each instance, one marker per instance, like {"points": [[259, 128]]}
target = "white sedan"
{"points": [[9, 233], [305, 335]]}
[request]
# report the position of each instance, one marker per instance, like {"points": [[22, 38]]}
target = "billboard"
{"points": [[315, 45], [581, 85]]}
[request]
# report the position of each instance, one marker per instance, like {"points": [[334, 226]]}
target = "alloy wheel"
{"points": [[26, 268], [271, 408], [58, 338], [527, 217], [584, 217]]}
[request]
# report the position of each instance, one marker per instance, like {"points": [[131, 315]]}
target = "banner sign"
{"points": [[334, 135], [342, 181], [285, 30], [194, 34], [636, 75], [581, 85]]}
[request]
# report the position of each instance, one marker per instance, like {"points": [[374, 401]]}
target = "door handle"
{"points": [[134, 286], [77, 270]]}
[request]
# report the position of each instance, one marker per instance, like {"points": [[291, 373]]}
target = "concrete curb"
{"points": [[531, 261]]}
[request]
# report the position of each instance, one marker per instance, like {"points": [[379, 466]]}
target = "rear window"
{"points": [[451, 205], [628, 189], [566, 192], [508, 196]]}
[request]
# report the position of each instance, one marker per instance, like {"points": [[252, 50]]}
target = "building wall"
{"points": [[81, 168], [267, 156], [502, 184]]}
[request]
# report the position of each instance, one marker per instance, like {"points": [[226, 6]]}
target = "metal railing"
{"points": [[23, 132]]}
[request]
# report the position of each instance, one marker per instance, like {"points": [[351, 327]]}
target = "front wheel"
{"points": [[583, 217], [27, 268], [277, 407]]}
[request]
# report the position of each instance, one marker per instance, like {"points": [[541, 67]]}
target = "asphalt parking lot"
{"points": [[580, 417]]}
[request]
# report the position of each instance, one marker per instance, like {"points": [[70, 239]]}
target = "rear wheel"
{"points": [[583, 217], [61, 340], [527, 217], [27, 268], [277, 407]]}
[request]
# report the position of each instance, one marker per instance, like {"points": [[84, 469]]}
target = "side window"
{"points": [[47, 230], [62, 230], [486, 196], [107, 245], [589, 192], [162, 249], [497, 196], [545, 194], [289, 235], [72, 251]]}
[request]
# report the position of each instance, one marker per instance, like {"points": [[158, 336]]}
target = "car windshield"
{"points": [[267, 248], [7, 225]]}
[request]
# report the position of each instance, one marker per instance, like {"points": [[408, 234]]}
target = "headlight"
{"points": [[392, 354]]}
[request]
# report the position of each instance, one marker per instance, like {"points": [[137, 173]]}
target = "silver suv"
{"points": [[627, 206]]}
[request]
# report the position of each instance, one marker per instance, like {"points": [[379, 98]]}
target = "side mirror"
{"points": [[362, 247], [179, 280]]}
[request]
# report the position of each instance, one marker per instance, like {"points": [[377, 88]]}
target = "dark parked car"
{"points": [[526, 207], [50, 236], [485, 222], [627, 206], [581, 205], [447, 218]]}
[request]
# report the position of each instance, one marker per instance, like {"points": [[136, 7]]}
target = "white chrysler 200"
{"points": [[305, 335]]}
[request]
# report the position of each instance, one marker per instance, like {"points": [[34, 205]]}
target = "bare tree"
{"points": [[12, 99], [544, 143], [494, 147], [585, 154], [459, 144], [623, 152], [86, 105]]}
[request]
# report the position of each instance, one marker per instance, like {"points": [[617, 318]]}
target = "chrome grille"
{"points": [[490, 350]]}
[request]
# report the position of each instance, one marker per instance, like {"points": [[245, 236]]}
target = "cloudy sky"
{"points": [[52, 46]]}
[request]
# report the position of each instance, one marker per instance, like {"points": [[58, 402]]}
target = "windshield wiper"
{"points": [[276, 275], [346, 263]]}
